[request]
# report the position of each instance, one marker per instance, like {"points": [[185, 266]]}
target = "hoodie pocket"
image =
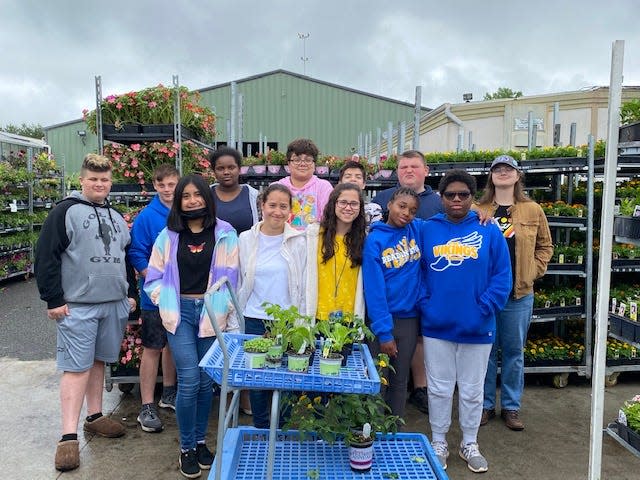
{"points": [[105, 288]]}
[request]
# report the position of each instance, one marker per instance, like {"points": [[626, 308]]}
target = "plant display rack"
{"points": [[30, 190], [245, 452], [406, 455]]}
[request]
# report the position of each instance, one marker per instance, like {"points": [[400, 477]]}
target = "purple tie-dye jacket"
{"points": [[162, 282]]}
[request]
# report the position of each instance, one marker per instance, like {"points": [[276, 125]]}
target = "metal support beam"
{"points": [[415, 145], [99, 114], [604, 262], [177, 122]]}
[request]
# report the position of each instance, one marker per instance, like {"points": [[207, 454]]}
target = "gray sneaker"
{"points": [[168, 400], [149, 420], [441, 449], [471, 454]]}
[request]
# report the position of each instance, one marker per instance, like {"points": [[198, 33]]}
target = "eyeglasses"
{"points": [[453, 195], [502, 169], [301, 159], [344, 204]]}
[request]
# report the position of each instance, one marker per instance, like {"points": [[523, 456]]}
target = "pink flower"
{"points": [[135, 147], [138, 341], [134, 163], [152, 104], [111, 99], [119, 106]]}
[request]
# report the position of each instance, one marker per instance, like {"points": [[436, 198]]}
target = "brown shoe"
{"points": [[68, 455], [487, 415], [105, 427], [512, 419]]}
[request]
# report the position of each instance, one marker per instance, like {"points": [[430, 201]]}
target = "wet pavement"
{"points": [[554, 445]]}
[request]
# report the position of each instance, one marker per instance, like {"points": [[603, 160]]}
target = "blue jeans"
{"points": [[512, 325], [259, 398], [195, 387]]}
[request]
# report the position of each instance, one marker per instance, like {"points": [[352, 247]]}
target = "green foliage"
{"points": [[296, 329], [257, 345], [630, 112], [502, 92], [342, 415], [31, 130]]}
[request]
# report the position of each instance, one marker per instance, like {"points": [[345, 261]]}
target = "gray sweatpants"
{"points": [[449, 363]]}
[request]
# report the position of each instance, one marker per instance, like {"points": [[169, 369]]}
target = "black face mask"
{"points": [[194, 214]]}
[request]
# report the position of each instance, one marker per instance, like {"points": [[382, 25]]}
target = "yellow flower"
{"points": [[382, 363], [384, 381], [317, 400], [310, 406]]}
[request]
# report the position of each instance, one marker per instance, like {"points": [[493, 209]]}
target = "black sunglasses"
{"points": [[453, 195]]}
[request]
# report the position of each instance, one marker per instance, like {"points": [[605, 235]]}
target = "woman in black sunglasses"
{"points": [[467, 279]]}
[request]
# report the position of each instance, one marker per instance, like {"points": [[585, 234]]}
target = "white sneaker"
{"points": [[441, 449], [471, 454]]}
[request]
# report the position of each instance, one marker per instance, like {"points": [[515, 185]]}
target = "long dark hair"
{"points": [[354, 239], [490, 191], [175, 221]]}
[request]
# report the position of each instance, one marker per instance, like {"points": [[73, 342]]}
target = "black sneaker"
{"points": [[189, 466], [204, 456], [420, 399]]}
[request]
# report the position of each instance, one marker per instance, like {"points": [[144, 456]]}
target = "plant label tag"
{"points": [[580, 259], [561, 258], [633, 311], [634, 352], [622, 308], [578, 301], [613, 305], [547, 304], [13, 206], [622, 418], [563, 303]]}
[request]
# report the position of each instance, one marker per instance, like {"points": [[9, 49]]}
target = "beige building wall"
{"points": [[502, 123]]}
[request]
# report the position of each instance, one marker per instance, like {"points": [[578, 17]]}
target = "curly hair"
{"points": [[302, 146], [354, 239], [457, 176]]}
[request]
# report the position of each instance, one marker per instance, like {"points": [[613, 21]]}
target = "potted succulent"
{"points": [[255, 351], [350, 417]]}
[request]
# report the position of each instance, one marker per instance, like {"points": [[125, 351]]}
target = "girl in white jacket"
{"points": [[272, 269]]}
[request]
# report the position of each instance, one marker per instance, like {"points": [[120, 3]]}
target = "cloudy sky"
{"points": [[52, 50]]}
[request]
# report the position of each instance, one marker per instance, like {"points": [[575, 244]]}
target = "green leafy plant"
{"points": [[342, 415], [257, 345], [630, 111], [631, 411], [388, 163]]}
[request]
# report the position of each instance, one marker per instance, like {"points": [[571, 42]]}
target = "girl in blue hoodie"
{"points": [[391, 272], [467, 280]]}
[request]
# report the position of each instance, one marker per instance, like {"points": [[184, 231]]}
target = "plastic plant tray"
{"points": [[359, 376], [406, 456]]}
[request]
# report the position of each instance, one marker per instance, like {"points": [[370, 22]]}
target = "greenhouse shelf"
{"points": [[404, 455], [613, 431]]}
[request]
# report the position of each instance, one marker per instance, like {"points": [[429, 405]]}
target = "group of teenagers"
{"points": [[433, 273]]}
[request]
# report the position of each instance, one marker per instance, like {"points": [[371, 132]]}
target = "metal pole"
{"points": [[604, 263], [416, 119], [556, 124], [228, 132], [572, 134], [378, 143], [99, 114], [402, 133], [531, 145], [177, 123], [389, 139], [240, 122], [232, 115], [260, 144], [589, 280], [469, 145]]}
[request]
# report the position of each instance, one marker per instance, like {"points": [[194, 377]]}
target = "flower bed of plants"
{"points": [[130, 351], [552, 348], [628, 422], [547, 297], [562, 209], [154, 106]]}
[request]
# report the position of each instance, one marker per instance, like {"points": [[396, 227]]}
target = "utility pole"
{"points": [[304, 58]]}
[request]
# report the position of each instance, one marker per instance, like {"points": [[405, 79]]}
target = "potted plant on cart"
{"points": [[300, 341], [255, 351], [277, 328], [353, 418]]}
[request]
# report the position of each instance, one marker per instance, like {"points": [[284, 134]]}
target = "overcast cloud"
{"points": [[51, 50]]}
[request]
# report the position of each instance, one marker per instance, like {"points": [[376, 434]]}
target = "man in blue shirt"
{"points": [[146, 227], [412, 172]]}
